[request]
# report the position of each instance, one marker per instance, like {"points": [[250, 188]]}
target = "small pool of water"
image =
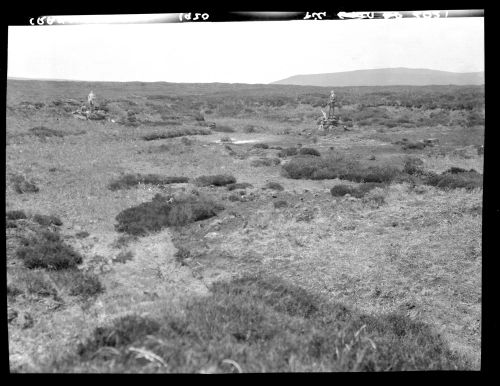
{"points": [[239, 142]]}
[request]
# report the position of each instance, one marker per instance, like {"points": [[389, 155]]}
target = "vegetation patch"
{"points": [[123, 257], [274, 186], [319, 168], [178, 132], [85, 284], [280, 204], [162, 212], [409, 145], [309, 151], [342, 190], [262, 325], [223, 129], [216, 180], [264, 161], [288, 152], [128, 181], [47, 220], [82, 234], [15, 215], [44, 132], [38, 283], [47, 250], [375, 197], [21, 185], [468, 180], [249, 129], [413, 166], [239, 185]]}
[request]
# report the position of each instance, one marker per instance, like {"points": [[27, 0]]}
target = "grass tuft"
{"points": [[128, 181], [264, 324]]}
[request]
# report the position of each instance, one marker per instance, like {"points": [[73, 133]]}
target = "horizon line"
{"points": [[258, 83]]}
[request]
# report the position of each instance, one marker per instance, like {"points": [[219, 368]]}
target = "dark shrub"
{"points": [[159, 213], [10, 224], [172, 133], [46, 220], [123, 257], [15, 215], [261, 146], [216, 180], [249, 129], [274, 186], [456, 170], [13, 291], [239, 185], [85, 285], [342, 190], [466, 180], [413, 165], [309, 151], [280, 204], [287, 152], [235, 197], [316, 168], [82, 234], [222, 129], [47, 250], [371, 174], [264, 161], [37, 283], [124, 331]]}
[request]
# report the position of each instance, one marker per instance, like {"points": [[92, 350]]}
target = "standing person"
{"points": [[90, 99], [332, 104]]}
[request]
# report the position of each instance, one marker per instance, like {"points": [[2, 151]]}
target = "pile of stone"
{"points": [[84, 113]]}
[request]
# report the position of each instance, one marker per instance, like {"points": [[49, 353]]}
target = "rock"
{"points": [[211, 235], [215, 222]]}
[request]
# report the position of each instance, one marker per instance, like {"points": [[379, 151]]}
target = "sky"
{"points": [[242, 52]]}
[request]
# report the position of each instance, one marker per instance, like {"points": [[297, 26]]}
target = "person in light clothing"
{"points": [[90, 99]]}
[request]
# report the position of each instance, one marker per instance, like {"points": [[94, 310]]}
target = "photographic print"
{"points": [[245, 192]]}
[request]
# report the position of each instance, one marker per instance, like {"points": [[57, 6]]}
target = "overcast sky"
{"points": [[244, 52]]}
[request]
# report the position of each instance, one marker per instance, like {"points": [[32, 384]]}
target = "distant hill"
{"points": [[386, 77]]}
